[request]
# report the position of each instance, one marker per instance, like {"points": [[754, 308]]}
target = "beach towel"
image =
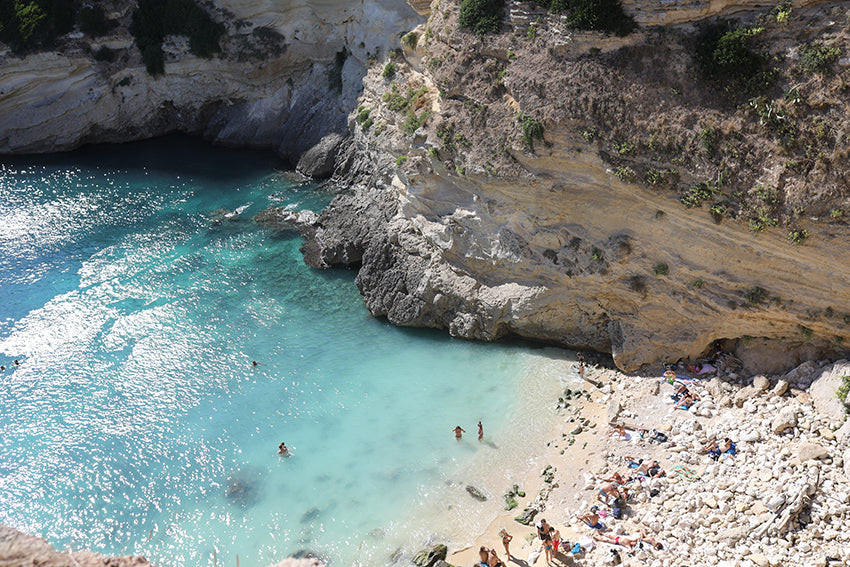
{"points": [[624, 437], [688, 474]]}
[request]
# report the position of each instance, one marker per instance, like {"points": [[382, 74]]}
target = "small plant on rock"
{"points": [[797, 236], [661, 269], [389, 70]]}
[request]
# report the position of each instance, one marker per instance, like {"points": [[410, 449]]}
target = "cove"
{"points": [[136, 422]]}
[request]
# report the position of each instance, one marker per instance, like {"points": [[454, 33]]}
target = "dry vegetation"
{"points": [[752, 126]]}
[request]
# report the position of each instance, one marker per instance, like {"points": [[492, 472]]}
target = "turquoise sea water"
{"points": [[136, 423]]}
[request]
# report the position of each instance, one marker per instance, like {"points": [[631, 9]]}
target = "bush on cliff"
{"points": [[593, 15], [727, 57], [482, 16], [27, 25], [155, 19]]}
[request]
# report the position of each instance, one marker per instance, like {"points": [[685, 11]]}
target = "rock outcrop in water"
{"points": [[18, 548], [560, 205]]}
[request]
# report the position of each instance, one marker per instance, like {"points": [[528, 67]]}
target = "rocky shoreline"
{"points": [[783, 499]]}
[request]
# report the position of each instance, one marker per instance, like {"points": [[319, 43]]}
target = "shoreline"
{"points": [[749, 504]]}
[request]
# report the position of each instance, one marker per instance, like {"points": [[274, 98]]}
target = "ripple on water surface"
{"points": [[137, 424]]}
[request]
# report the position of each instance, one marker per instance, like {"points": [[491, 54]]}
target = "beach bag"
{"points": [[576, 549], [616, 513]]}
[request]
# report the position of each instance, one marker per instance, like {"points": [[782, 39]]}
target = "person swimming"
{"points": [[282, 450]]}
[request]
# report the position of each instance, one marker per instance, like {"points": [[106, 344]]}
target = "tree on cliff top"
{"points": [[482, 16], [27, 25]]}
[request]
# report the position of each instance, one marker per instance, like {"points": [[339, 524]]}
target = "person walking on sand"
{"points": [[459, 431], [480, 431], [506, 541]]}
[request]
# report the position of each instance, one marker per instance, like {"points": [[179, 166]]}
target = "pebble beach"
{"points": [[782, 499]]}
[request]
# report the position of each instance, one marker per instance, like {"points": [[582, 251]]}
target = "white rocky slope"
{"points": [[784, 499]]}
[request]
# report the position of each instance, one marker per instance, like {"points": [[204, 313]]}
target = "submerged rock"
{"points": [[430, 557], [477, 494]]}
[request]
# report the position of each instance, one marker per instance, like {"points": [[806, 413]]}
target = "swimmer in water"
{"points": [[480, 431], [459, 431], [282, 450]]}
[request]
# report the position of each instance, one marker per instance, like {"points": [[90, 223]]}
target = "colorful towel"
{"points": [[688, 474]]}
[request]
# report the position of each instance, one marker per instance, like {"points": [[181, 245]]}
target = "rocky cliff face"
{"points": [[288, 74], [580, 236]]}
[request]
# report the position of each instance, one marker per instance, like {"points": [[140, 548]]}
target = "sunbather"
{"points": [[619, 430], [618, 479], [592, 519], [687, 401], [610, 490], [624, 540]]}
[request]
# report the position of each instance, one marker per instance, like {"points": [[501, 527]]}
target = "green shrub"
{"points": [[400, 161], [555, 5], [600, 15], [104, 54], [482, 16], [93, 21], [696, 284], [661, 269], [755, 296], [727, 56], [626, 174], [817, 57], [155, 19], [531, 130], [696, 195], [806, 333], [797, 236], [708, 139], [29, 25], [389, 70], [843, 389], [411, 40]]}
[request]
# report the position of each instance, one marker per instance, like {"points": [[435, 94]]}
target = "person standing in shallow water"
{"points": [[480, 431], [459, 431], [282, 450]]}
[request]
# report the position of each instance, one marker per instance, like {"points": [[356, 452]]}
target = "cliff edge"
{"points": [[624, 194]]}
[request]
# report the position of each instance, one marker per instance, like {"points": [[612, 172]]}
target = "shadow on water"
{"points": [[177, 154]]}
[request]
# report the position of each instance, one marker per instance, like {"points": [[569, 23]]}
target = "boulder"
{"points": [[785, 419], [825, 386], [613, 409], [475, 493], [714, 388], [761, 383], [810, 452], [318, 161], [733, 535], [745, 394], [802, 372], [842, 435], [430, 557], [780, 388]]}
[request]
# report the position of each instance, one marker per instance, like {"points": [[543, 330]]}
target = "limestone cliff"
{"points": [[288, 74], [585, 231]]}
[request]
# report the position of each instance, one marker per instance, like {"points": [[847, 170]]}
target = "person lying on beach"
{"points": [[592, 519], [609, 490], [714, 450], [632, 462], [682, 390], [624, 540], [618, 479], [687, 401], [700, 368], [647, 466], [646, 538]]}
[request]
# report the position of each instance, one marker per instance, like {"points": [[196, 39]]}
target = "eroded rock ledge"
{"points": [[465, 227]]}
